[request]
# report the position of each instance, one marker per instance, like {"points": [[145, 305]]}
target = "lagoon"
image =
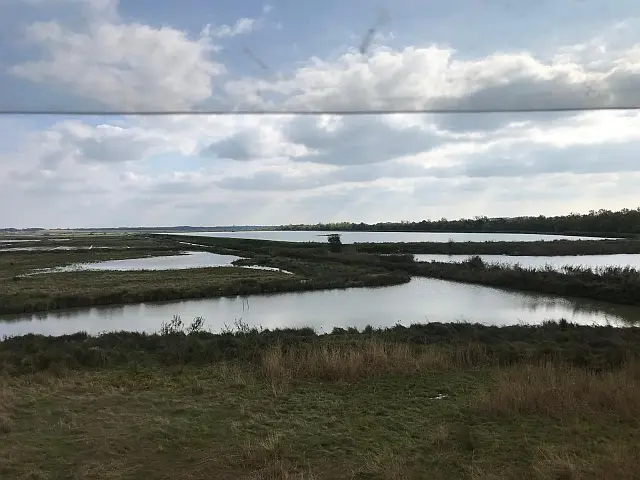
{"points": [[539, 262], [385, 237], [419, 301]]}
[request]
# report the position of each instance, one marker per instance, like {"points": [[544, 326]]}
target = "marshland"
{"points": [[145, 354]]}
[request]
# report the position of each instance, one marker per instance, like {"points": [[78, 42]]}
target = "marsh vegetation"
{"points": [[312, 266], [454, 400], [447, 400]]}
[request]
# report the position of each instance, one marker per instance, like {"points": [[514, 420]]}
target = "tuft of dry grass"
{"points": [[5, 424], [618, 462], [7, 399], [266, 459], [554, 390], [351, 362], [235, 375], [613, 461], [385, 464]]}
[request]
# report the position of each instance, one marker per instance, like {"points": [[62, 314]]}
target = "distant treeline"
{"points": [[595, 223], [601, 222]]}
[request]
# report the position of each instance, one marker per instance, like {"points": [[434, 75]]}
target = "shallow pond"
{"points": [[53, 249], [381, 237], [591, 261], [168, 262], [419, 301], [3, 240]]}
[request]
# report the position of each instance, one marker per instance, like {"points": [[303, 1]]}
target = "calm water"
{"points": [[51, 249], [169, 262], [591, 261], [17, 241], [381, 237], [419, 301]]}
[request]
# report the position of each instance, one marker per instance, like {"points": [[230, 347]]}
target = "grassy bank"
{"points": [[85, 240], [430, 401], [84, 289], [595, 347], [23, 293], [553, 248], [537, 248], [615, 285], [313, 266]]}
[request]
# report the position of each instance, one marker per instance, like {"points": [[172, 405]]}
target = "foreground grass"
{"points": [[598, 348], [369, 405]]}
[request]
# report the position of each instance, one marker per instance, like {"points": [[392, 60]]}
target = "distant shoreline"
{"points": [[160, 230]]}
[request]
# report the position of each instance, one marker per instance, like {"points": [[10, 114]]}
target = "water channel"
{"points": [[380, 237], [419, 301], [556, 262]]}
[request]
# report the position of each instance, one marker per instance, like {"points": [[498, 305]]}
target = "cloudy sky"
{"points": [[284, 55]]}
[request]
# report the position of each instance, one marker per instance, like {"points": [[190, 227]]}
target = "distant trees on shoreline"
{"points": [[625, 221]]}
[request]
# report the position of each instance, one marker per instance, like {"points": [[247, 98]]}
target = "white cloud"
{"points": [[244, 25], [436, 77], [524, 168], [128, 66], [263, 141], [181, 169], [123, 66]]}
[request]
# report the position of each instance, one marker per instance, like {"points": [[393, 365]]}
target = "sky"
{"points": [[122, 57]]}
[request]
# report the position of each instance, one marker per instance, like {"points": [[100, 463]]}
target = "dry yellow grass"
{"points": [[354, 410], [559, 392], [351, 362], [5, 410], [616, 462], [554, 390]]}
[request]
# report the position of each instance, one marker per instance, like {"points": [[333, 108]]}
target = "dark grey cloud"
{"points": [[86, 144], [529, 91], [358, 141], [239, 146], [619, 88], [486, 122], [111, 149], [539, 160], [520, 161], [274, 181]]}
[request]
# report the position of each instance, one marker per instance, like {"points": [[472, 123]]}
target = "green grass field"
{"points": [[397, 404]]}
